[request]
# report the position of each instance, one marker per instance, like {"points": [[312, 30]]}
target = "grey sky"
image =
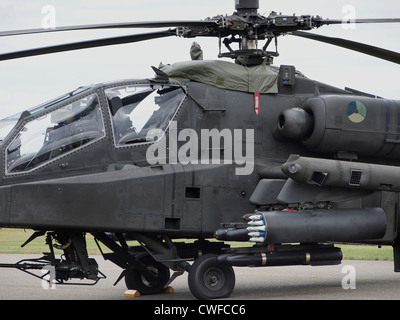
{"points": [[30, 81]]}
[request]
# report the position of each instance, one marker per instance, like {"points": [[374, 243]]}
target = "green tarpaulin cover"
{"points": [[262, 78]]}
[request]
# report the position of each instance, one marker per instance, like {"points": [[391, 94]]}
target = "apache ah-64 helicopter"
{"points": [[237, 151]]}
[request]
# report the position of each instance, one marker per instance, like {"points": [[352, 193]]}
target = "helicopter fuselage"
{"points": [[198, 158], [105, 186]]}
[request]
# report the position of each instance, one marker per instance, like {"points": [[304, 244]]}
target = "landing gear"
{"points": [[136, 280], [146, 268], [74, 263], [210, 280]]}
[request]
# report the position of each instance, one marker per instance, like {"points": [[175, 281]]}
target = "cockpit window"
{"points": [[55, 134], [8, 123], [136, 109]]}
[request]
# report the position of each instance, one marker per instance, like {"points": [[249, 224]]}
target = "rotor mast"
{"points": [[247, 8], [242, 22]]}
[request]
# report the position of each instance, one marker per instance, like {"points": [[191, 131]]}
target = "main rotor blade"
{"points": [[123, 25], [347, 21], [380, 53], [87, 44]]}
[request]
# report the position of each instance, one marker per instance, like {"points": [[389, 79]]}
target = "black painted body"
{"points": [[103, 187]]}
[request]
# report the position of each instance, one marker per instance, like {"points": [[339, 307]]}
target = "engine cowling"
{"points": [[332, 123]]}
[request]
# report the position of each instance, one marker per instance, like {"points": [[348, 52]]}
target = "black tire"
{"points": [[135, 280], [210, 280]]}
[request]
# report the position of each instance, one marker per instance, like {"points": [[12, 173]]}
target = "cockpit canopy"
{"points": [[138, 109], [55, 133], [76, 120]]}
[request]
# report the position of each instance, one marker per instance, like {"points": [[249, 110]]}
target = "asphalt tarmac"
{"points": [[352, 280]]}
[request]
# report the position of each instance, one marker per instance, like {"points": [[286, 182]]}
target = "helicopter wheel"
{"points": [[210, 280], [135, 280]]}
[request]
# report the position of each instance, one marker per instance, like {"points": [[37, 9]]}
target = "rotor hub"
{"points": [[245, 27]]}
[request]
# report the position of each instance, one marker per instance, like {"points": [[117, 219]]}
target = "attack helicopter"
{"points": [[231, 151]]}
